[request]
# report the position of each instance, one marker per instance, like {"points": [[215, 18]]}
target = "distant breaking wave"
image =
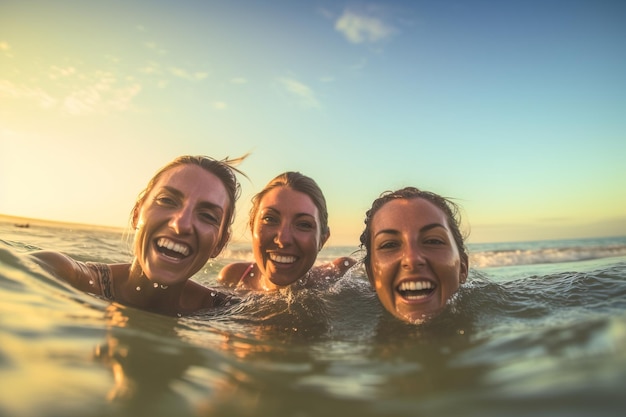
{"points": [[531, 256], [488, 255]]}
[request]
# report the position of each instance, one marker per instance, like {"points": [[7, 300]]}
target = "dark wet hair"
{"points": [[449, 208], [297, 182], [223, 169]]}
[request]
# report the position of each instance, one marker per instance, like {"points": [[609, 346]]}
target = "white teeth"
{"points": [[415, 286], [282, 259], [173, 246]]}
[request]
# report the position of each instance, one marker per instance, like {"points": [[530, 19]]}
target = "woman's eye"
{"points": [[209, 217], [306, 226], [388, 245], [435, 241], [165, 201], [269, 219]]}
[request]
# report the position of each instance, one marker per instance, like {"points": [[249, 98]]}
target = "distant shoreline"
{"points": [[20, 221], [30, 222]]}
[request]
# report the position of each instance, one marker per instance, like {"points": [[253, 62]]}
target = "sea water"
{"points": [[539, 329]]}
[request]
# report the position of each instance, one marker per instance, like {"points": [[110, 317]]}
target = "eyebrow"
{"points": [[423, 229], [272, 209], [203, 204]]}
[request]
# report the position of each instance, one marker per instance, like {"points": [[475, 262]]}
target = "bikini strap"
{"points": [[246, 272], [103, 272]]}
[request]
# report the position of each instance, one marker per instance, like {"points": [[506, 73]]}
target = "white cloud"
{"points": [[156, 48], [359, 28], [150, 68], [305, 94], [58, 72], [101, 96], [5, 48], [38, 95], [186, 75], [220, 105], [100, 92], [239, 80]]}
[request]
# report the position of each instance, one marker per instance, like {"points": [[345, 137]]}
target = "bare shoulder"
{"points": [[343, 264], [67, 269], [55, 263], [231, 274], [333, 270]]}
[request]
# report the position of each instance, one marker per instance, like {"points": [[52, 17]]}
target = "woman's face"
{"points": [[415, 265], [286, 235], [180, 224]]}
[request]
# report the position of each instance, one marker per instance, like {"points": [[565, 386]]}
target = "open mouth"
{"points": [[172, 249], [415, 290], [282, 259]]}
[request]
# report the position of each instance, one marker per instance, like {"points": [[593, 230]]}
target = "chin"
{"points": [[282, 281]]}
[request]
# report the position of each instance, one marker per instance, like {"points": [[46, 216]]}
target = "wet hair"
{"points": [[223, 169], [449, 208], [297, 182]]}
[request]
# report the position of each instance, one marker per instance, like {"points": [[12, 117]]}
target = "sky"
{"points": [[516, 110]]}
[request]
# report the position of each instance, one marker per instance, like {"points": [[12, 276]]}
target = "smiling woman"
{"points": [[181, 219], [289, 223], [415, 254]]}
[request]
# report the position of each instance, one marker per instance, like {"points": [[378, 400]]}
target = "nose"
{"points": [[182, 220], [413, 257], [283, 235]]}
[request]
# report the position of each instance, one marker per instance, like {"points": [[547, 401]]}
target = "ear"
{"points": [[370, 275], [323, 240], [464, 272], [135, 217], [222, 243]]}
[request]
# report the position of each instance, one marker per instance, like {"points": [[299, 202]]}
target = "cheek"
{"points": [[378, 274], [259, 233], [138, 242]]}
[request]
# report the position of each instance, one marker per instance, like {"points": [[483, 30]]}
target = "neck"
{"points": [[146, 292]]}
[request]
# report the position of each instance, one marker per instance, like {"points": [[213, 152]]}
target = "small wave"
{"points": [[510, 257]]}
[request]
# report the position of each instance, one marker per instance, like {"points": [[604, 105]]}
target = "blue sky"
{"points": [[515, 109]]}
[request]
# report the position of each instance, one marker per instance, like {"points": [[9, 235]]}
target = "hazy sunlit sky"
{"points": [[517, 109]]}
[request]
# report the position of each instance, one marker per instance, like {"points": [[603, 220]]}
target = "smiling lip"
{"points": [[172, 249], [415, 289], [282, 259]]}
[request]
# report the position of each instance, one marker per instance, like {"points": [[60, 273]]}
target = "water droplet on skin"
{"points": [[155, 285], [138, 288]]}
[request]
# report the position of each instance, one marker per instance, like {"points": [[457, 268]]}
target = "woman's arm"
{"points": [[62, 267], [333, 270], [231, 274]]}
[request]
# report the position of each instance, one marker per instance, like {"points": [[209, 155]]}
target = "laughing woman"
{"points": [[415, 254], [181, 219], [289, 225]]}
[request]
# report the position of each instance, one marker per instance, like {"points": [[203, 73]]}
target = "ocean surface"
{"points": [[538, 330]]}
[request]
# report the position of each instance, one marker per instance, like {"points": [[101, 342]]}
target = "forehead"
{"points": [[405, 213], [287, 200], [194, 182]]}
